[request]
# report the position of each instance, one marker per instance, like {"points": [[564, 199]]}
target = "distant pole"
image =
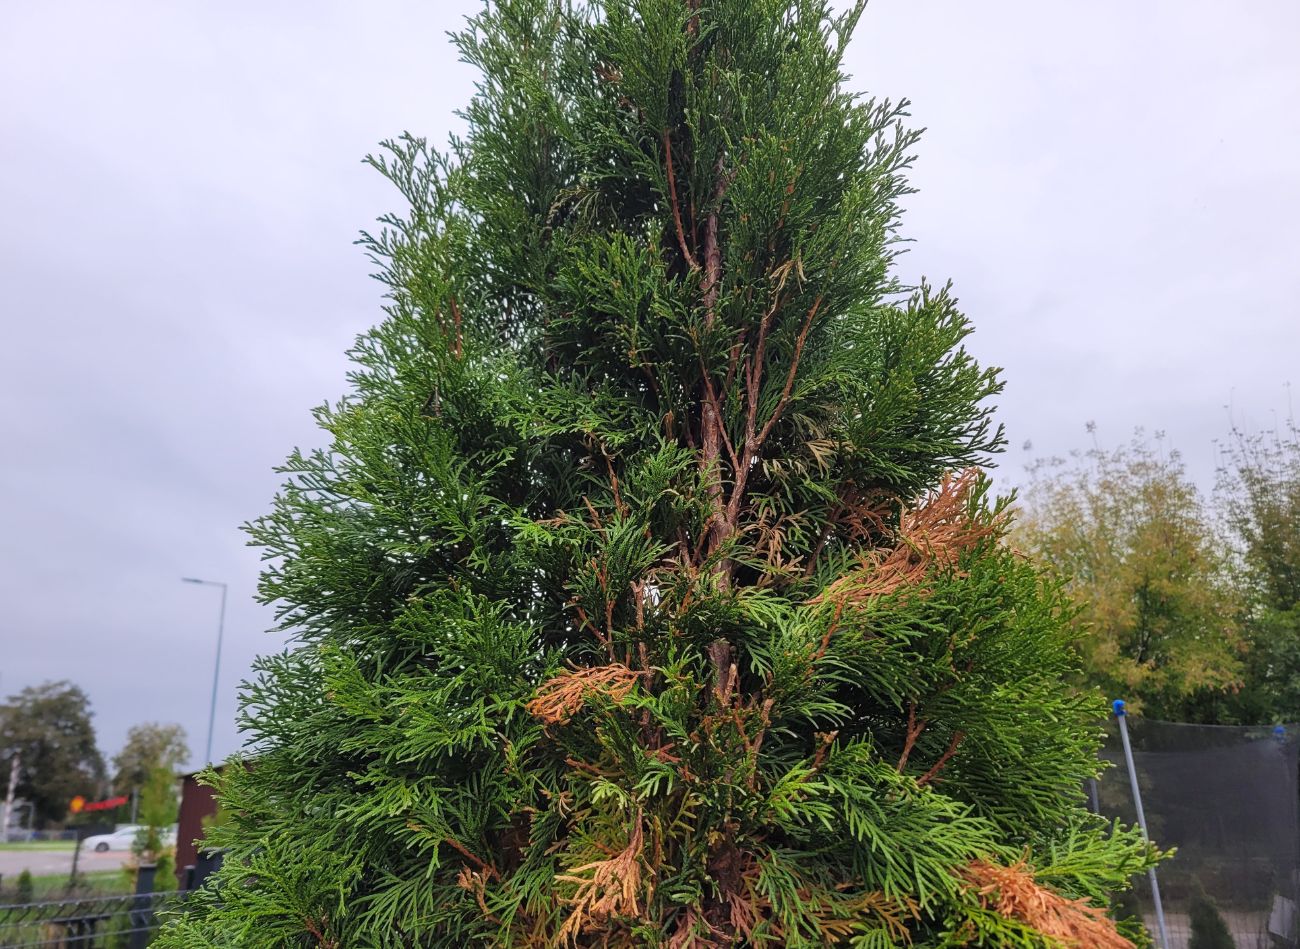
{"points": [[76, 858], [216, 666], [9, 796], [1121, 713]]}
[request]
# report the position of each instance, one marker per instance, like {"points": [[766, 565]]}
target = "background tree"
{"points": [[49, 727], [1259, 489], [1208, 928], [148, 746], [159, 803], [645, 595], [1149, 569]]}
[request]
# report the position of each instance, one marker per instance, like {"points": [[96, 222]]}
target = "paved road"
{"points": [[43, 862]]}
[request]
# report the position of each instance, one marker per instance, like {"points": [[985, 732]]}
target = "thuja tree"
{"points": [[646, 594]]}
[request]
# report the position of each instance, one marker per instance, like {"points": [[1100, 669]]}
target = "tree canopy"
{"points": [[49, 727], [1149, 565], [647, 593], [1259, 491], [148, 747]]}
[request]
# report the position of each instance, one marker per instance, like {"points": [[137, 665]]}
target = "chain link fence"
{"points": [[113, 922], [1228, 800]]}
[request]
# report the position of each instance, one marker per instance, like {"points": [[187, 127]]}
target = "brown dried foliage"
{"points": [[932, 534], [605, 888], [475, 882], [687, 935], [560, 698], [1013, 893]]}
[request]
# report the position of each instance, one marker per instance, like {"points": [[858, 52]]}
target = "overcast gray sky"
{"points": [[1113, 187]]}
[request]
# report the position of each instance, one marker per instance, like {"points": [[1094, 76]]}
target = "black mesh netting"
{"points": [[1228, 800]]}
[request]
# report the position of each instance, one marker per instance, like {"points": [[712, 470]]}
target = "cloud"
{"points": [[1111, 187]]}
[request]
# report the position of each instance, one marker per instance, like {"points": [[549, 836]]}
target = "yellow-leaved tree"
{"points": [[1144, 559]]}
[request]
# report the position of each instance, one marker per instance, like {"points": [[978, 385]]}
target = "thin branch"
{"points": [[765, 714], [753, 443], [677, 211], [914, 729], [613, 482], [595, 518], [461, 849], [586, 623], [717, 411], [712, 250], [822, 538], [711, 459], [826, 739], [755, 373], [794, 368], [323, 939], [830, 631], [733, 361], [956, 740], [456, 322]]}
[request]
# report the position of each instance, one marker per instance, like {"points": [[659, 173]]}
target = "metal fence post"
{"points": [[142, 912], [1121, 714], [206, 863], [76, 858]]}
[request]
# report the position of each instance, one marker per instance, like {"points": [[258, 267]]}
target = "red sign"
{"points": [[108, 804], [79, 804]]}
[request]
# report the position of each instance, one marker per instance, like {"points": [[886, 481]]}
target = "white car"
{"points": [[123, 839]]}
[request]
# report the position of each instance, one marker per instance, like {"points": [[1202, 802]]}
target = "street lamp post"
{"points": [[216, 666]]}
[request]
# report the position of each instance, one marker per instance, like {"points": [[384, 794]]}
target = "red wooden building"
{"points": [[198, 802]]}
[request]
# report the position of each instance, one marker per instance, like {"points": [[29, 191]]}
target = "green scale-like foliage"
{"points": [[624, 609]]}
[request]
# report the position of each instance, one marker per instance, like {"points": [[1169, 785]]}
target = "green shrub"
{"points": [[24, 892], [1209, 931]]}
